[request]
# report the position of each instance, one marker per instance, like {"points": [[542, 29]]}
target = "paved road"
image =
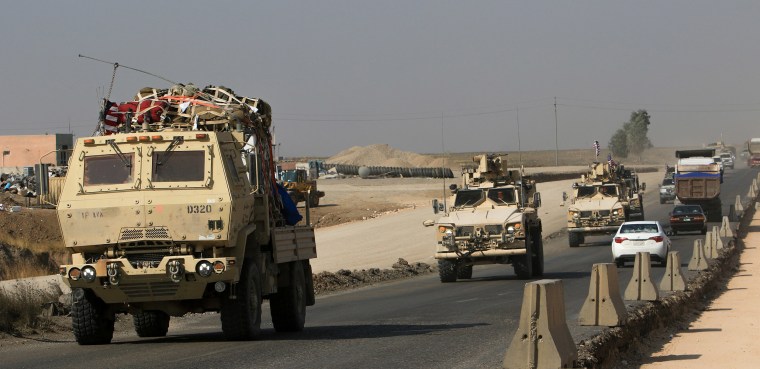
{"points": [[416, 323]]}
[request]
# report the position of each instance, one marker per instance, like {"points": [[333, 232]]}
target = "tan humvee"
{"points": [[170, 218], [599, 204], [492, 219]]}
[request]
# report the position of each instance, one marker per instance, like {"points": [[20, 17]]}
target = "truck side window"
{"points": [[107, 170], [178, 166]]}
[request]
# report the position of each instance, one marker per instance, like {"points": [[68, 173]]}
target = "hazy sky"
{"points": [[405, 73]]}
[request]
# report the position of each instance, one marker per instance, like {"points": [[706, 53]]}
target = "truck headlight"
{"points": [[204, 268], [89, 274], [575, 214], [75, 274]]}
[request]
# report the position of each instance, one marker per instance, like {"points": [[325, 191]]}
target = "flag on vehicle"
{"points": [[596, 148]]}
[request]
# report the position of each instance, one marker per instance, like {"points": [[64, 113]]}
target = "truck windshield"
{"points": [[178, 166], [107, 169], [502, 196], [608, 190], [585, 191], [467, 197]]}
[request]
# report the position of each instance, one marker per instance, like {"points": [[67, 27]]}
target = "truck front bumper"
{"points": [[594, 230], [479, 254], [175, 278]]}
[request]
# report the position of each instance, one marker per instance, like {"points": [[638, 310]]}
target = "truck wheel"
{"points": [[523, 264], [288, 305], [574, 239], [151, 323], [90, 321], [662, 201], [538, 254], [464, 272], [313, 201], [241, 317], [447, 271]]}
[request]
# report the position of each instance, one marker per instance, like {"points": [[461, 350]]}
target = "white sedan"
{"points": [[641, 236]]}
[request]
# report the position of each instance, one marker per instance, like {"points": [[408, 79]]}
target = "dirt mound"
{"points": [[382, 155], [345, 279]]}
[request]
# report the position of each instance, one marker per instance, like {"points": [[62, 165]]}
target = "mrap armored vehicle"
{"points": [[172, 208], [492, 219], [600, 202]]}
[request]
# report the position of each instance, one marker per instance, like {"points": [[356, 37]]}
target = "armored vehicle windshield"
{"points": [[502, 196], [468, 197]]}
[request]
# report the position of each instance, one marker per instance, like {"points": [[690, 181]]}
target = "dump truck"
{"points": [[697, 180], [300, 187], [493, 219], [753, 152], [183, 214], [599, 203]]}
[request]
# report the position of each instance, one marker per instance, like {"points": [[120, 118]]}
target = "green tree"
{"points": [[636, 132], [618, 144]]}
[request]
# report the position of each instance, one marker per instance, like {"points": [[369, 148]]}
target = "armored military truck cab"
{"points": [[492, 219], [167, 219]]}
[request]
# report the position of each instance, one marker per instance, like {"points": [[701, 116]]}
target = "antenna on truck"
{"points": [[105, 101]]}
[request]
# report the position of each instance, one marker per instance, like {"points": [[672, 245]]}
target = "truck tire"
{"points": [[523, 264], [574, 239], [464, 272], [91, 323], [313, 201], [241, 317], [538, 254], [151, 323], [288, 305], [447, 271]]}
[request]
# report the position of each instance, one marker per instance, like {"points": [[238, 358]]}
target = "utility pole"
{"points": [[519, 149], [556, 133], [443, 153]]}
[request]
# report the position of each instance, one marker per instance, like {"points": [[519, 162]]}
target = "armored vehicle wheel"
{"points": [[464, 271], [574, 239], [241, 317], [447, 271], [151, 323], [91, 323], [523, 264], [538, 254], [288, 305]]}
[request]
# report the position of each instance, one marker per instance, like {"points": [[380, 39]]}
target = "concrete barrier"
{"points": [[641, 286], [726, 228], [542, 339], [754, 185], [752, 194], [604, 304], [738, 208], [698, 261], [709, 244], [673, 280]]}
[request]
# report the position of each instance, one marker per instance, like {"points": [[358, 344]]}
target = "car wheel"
{"points": [[619, 263]]}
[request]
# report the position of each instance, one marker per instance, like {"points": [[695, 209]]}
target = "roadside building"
{"points": [[21, 153]]}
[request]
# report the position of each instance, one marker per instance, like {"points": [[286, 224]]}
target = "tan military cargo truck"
{"points": [[183, 215], [599, 204], [491, 219]]}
